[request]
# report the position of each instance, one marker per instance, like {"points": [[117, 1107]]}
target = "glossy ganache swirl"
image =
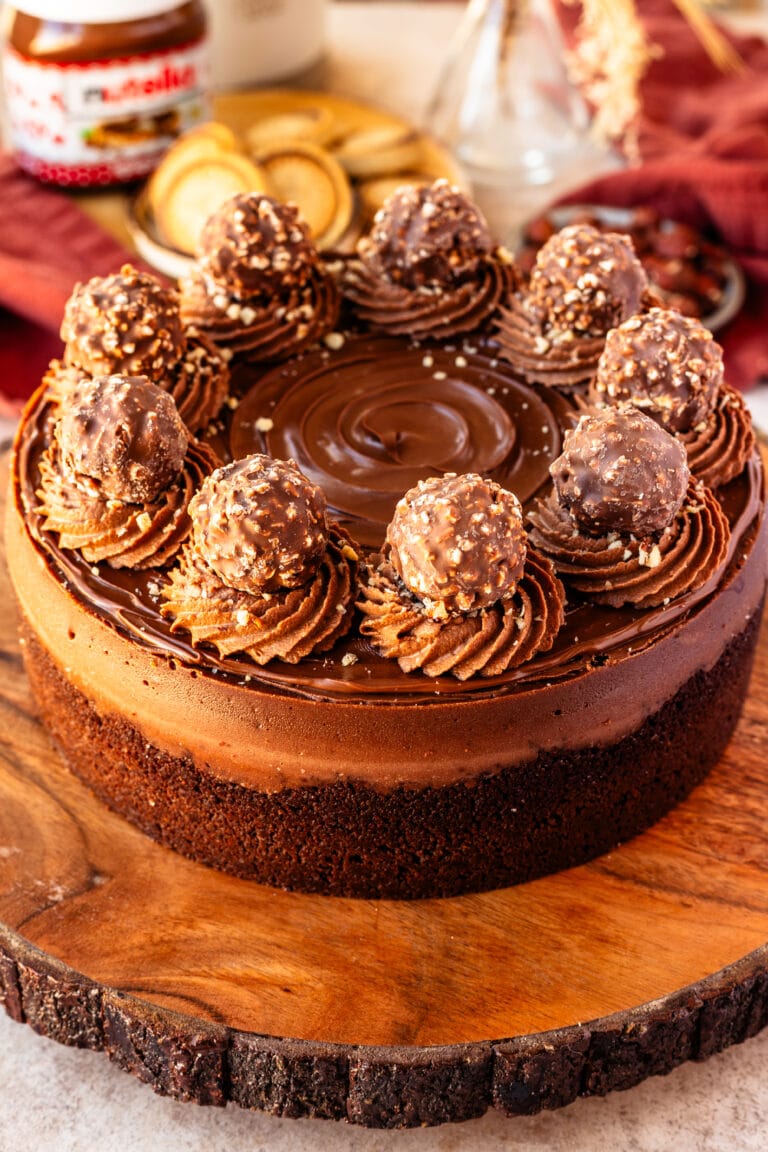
{"points": [[370, 419], [263, 573], [259, 288], [429, 267]]}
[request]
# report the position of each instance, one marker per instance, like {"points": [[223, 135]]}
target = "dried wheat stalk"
{"points": [[613, 53]]}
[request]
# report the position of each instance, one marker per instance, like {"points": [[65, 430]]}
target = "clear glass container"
{"points": [[506, 108]]}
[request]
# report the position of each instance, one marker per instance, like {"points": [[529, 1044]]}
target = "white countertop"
{"points": [[54, 1099]]}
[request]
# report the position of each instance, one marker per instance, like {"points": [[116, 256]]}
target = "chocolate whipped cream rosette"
{"points": [[671, 367], [457, 589], [259, 288], [625, 523], [583, 284], [129, 323], [118, 474], [264, 572], [429, 266]]}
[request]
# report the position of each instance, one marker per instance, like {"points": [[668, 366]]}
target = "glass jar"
{"points": [[505, 106], [97, 98]]}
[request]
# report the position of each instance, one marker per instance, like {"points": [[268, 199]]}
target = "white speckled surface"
{"points": [[54, 1099]]}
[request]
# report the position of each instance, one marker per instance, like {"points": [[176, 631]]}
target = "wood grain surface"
{"points": [[386, 1013]]}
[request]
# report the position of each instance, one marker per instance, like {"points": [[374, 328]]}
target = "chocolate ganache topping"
{"points": [[119, 472], [259, 288], [625, 523], [369, 419], [584, 283], [264, 573], [671, 367], [129, 323], [456, 589], [429, 266]]}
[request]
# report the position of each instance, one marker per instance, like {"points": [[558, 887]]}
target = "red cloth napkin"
{"points": [[47, 243], [703, 142]]}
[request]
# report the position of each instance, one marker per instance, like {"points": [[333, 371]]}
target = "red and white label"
{"points": [[106, 122]]}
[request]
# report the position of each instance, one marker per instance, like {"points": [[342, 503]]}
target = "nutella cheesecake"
{"points": [[405, 619]]}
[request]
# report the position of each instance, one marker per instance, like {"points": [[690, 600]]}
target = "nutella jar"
{"points": [[97, 98]]}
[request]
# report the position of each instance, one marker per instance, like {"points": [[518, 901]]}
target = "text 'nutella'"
{"points": [[97, 99]]}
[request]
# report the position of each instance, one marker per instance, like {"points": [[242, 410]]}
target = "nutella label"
{"points": [[104, 122]]}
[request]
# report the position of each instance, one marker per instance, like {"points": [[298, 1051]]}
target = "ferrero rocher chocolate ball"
{"points": [[427, 235], [125, 435], [127, 323], [620, 471], [586, 281], [665, 363], [260, 524], [458, 543], [253, 244]]}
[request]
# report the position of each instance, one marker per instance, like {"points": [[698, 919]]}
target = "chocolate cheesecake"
{"points": [[423, 628]]}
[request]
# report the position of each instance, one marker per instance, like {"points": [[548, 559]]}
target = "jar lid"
{"points": [[95, 11]]}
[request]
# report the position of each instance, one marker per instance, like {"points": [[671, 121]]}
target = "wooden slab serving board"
{"points": [[386, 1013]]}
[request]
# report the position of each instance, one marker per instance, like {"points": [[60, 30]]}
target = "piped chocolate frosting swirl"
{"points": [[259, 288], [429, 267], [584, 283], [455, 589], [118, 475], [485, 643], [287, 625], [720, 446], [619, 568], [264, 573], [199, 383], [624, 522]]}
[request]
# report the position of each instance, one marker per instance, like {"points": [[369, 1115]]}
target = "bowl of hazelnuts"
{"points": [[689, 271]]}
